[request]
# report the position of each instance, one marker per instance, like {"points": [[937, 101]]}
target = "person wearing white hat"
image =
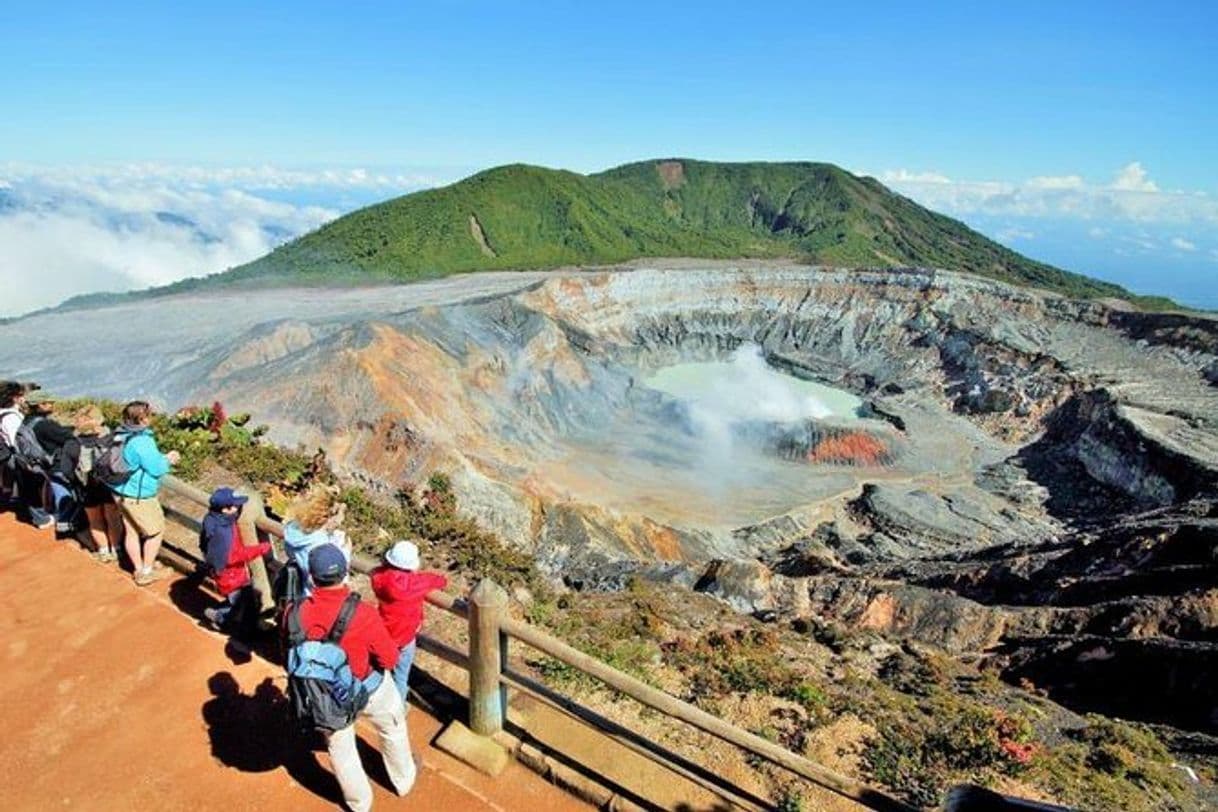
{"points": [[401, 590]]}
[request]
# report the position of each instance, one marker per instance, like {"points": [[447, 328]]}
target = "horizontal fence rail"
{"points": [[490, 676]]}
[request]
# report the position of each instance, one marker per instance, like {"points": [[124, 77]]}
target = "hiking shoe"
{"points": [[103, 556], [213, 617], [146, 577], [44, 524]]}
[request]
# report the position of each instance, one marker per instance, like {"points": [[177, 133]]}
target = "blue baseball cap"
{"points": [[327, 565], [226, 497]]}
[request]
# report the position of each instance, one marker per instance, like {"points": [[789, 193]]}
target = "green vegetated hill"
{"points": [[518, 216]]}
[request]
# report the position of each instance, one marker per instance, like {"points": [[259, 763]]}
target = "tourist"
{"points": [[370, 653], [11, 397], [313, 519], [28, 474], [401, 590], [52, 436], [143, 517], [227, 554], [104, 524]]}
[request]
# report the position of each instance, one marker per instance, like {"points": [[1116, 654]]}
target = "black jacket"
{"points": [[51, 436]]}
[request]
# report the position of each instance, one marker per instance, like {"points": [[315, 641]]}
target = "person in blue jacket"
{"points": [[143, 517], [312, 520]]}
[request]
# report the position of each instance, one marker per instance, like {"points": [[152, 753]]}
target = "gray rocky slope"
{"points": [[1045, 495]]}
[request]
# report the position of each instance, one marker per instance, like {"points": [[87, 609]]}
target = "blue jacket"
{"points": [[297, 543], [216, 538], [146, 462]]}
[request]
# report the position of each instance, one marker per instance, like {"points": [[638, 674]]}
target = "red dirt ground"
{"points": [[114, 698]]}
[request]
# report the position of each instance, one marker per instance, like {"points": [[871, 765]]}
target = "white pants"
{"points": [[384, 711]]}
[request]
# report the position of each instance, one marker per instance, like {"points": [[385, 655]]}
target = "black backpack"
{"points": [[323, 693], [289, 586]]}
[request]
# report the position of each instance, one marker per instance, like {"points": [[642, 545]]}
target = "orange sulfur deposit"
{"points": [[852, 448]]}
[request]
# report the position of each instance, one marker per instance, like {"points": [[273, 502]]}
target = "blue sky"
{"points": [[917, 94]]}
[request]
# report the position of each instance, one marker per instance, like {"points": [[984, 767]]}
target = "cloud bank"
{"points": [[1129, 195], [65, 231], [68, 231]]}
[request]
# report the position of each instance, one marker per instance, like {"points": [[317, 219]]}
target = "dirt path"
{"points": [[114, 698]]}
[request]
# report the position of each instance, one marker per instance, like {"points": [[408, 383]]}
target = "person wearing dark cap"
{"points": [[53, 436], [370, 652], [227, 555]]}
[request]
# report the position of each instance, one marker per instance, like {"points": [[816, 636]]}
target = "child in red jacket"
{"points": [[401, 590], [226, 553]]}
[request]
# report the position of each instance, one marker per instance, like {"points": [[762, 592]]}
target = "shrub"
{"points": [[942, 742], [790, 801]]}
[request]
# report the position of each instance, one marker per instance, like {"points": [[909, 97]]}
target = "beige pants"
{"points": [[385, 712], [145, 515]]}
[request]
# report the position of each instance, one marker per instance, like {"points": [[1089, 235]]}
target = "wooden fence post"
{"points": [[487, 605]]}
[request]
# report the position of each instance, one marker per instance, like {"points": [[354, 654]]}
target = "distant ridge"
{"points": [[520, 216]]}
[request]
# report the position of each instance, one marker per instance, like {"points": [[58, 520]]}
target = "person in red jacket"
{"points": [[227, 555], [370, 653], [401, 590]]}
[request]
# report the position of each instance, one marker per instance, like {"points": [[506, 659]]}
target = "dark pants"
{"points": [[31, 487], [8, 483], [238, 613]]}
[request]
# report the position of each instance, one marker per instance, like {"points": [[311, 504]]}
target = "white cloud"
{"points": [[1015, 234], [66, 231], [246, 177], [1183, 244], [904, 176], [1142, 240], [1097, 233], [1133, 178], [1131, 196], [1056, 182]]}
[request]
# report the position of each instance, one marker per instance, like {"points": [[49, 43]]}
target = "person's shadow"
{"points": [[188, 596], [255, 733]]}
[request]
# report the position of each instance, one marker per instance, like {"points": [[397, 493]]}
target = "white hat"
{"points": [[404, 555]]}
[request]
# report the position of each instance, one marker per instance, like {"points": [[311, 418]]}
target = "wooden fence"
{"points": [[490, 631]]}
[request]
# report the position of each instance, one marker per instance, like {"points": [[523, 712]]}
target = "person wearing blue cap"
{"points": [[371, 653], [227, 554]]}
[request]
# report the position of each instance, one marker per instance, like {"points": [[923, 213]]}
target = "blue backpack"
{"points": [[322, 692]]}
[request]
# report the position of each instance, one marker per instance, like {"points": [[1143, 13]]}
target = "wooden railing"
{"points": [[491, 628]]}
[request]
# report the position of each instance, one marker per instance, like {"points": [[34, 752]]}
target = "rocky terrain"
{"points": [[1027, 480]]}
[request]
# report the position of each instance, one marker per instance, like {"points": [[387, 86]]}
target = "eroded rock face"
{"points": [[989, 497]]}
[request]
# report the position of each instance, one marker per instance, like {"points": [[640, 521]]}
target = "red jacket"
{"points": [[234, 575], [366, 642], [401, 595]]}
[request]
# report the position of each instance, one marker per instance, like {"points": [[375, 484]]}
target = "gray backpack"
{"points": [[31, 456], [87, 459], [109, 465]]}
